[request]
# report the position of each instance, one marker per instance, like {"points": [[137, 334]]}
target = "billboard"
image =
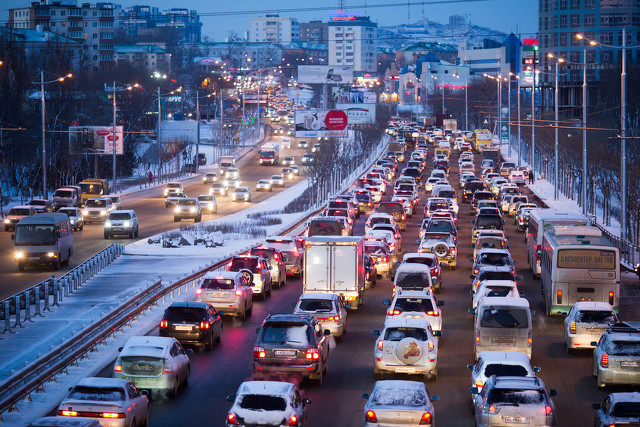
{"points": [[360, 114], [94, 140], [320, 123], [325, 74], [355, 97]]}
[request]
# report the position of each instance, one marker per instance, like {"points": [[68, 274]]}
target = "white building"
{"points": [[274, 29], [492, 61], [353, 42]]}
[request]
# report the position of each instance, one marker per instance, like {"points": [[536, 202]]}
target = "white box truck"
{"points": [[335, 264]]}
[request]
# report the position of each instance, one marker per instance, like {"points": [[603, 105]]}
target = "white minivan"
{"points": [[502, 324]]}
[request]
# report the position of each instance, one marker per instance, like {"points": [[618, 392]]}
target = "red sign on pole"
{"points": [[336, 120]]}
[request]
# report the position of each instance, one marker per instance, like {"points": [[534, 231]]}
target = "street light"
{"points": [[197, 162], [44, 145], [555, 101], [623, 125], [129, 87]]}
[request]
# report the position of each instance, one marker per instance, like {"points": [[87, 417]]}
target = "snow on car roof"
{"points": [[412, 268], [147, 346], [504, 301], [625, 397], [593, 305], [223, 274], [494, 251], [406, 322], [272, 388], [505, 283], [507, 357], [318, 295], [102, 382], [399, 393]]}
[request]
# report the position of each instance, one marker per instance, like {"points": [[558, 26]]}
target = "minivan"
{"points": [[502, 323]]}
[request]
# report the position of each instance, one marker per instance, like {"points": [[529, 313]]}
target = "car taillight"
{"points": [[312, 354], [370, 417], [477, 336], [166, 369], [232, 419], [198, 291], [117, 368], [559, 296], [433, 313], [393, 290], [164, 323], [476, 271], [611, 298], [275, 256], [572, 328], [434, 272], [393, 312], [259, 352], [425, 418], [239, 293], [380, 344], [604, 361], [479, 384], [452, 251], [430, 346], [113, 415], [68, 413], [530, 338], [293, 421], [204, 325], [548, 410], [403, 217]]}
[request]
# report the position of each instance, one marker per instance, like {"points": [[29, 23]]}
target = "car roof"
{"points": [[504, 301], [412, 268], [625, 397], [153, 346], [529, 383], [279, 388], [494, 251], [189, 304], [23, 207], [409, 386], [406, 322], [242, 188], [418, 255], [102, 382], [307, 318], [507, 357], [173, 183], [318, 295], [129, 211], [223, 274], [498, 283], [593, 305]]}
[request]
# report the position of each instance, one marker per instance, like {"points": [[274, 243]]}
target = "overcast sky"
{"points": [[220, 18]]}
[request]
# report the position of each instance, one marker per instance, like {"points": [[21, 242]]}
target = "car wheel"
{"points": [[20, 266], [209, 344], [56, 264], [185, 382], [219, 337], [132, 234], [319, 379], [137, 231], [338, 338], [106, 235], [146, 420]]}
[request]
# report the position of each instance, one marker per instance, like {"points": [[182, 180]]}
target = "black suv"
{"points": [[396, 210], [291, 344], [471, 187], [192, 323]]}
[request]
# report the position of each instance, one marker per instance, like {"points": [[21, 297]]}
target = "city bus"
{"points": [[43, 239], [482, 138], [578, 264], [541, 220]]}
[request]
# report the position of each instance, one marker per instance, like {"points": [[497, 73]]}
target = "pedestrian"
{"points": [[150, 177], [531, 178]]}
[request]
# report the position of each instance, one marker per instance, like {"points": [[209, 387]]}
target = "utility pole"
{"points": [[197, 130], [623, 140], [556, 161]]}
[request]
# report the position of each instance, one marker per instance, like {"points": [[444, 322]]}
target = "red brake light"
{"points": [[479, 384], [604, 362], [380, 343], [425, 419], [164, 323], [611, 298], [433, 313], [259, 352], [232, 419], [312, 353], [293, 421], [113, 415], [117, 368], [204, 325], [68, 413], [198, 291], [392, 312], [275, 256], [239, 292], [370, 417], [559, 296], [572, 328], [548, 410]]}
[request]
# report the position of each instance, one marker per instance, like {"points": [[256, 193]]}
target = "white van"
{"points": [[502, 324], [412, 277], [286, 142], [45, 238]]}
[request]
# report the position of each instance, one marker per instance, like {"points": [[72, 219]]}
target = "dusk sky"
{"points": [[220, 18]]}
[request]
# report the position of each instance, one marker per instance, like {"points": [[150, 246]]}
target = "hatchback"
{"points": [[616, 357], [229, 292], [192, 323], [327, 308], [276, 261], [399, 403]]}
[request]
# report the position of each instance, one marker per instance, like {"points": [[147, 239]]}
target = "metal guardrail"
{"points": [[32, 378], [52, 291], [629, 253]]}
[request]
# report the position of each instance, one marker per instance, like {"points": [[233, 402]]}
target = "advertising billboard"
{"points": [[353, 97], [320, 123], [359, 114], [94, 140], [325, 74]]}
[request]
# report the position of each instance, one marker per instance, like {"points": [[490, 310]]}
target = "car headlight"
{"points": [[177, 209], [107, 224], [166, 192], [103, 213], [192, 210], [246, 196], [127, 223], [85, 212], [19, 255], [6, 221], [73, 221], [210, 205], [51, 254], [210, 191], [233, 196]]}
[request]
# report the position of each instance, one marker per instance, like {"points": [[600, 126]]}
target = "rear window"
{"points": [[413, 304], [63, 193], [101, 394], [441, 227], [500, 370], [282, 332], [324, 228], [481, 195], [398, 334], [412, 280], [496, 275], [238, 264], [624, 348], [626, 409], [595, 316], [69, 212], [390, 207], [218, 284], [430, 262], [505, 317], [488, 222], [186, 314], [515, 397], [403, 396], [316, 305], [261, 402], [497, 260], [447, 193]]}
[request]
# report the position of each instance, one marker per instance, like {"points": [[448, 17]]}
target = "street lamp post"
{"points": [[519, 127], [532, 155], [556, 162], [115, 140], [500, 109], [584, 123], [509, 101], [44, 130]]}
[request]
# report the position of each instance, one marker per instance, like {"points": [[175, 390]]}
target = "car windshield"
{"points": [[504, 317], [624, 348], [412, 279], [238, 264], [38, 202], [500, 370], [626, 410], [63, 193], [515, 397], [119, 216], [316, 305], [277, 332], [488, 222], [413, 304], [205, 198], [35, 235], [19, 212], [218, 284], [96, 203], [398, 334], [69, 212], [263, 403], [102, 394], [186, 314], [433, 206], [497, 260], [188, 202], [90, 188], [402, 396]]}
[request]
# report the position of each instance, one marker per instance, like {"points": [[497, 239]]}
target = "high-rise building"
{"points": [[139, 20], [273, 29], [93, 25], [353, 41], [314, 32]]}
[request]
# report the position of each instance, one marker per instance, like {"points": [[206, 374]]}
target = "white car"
{"points": [[406, 346], [256, 402], [121, 222], [233, 172], [327, 308], [399, 403], [500, 363], [495, 288], [376, 194], [416, 305], [241, 194], [157, 364], [173, 198], [208, 203], [97, 209], [210, 177], [264, 185], [295, 169], [171, 187], [110, 401], [232, 182], [378, 218], [277, 180], [228, 292], [388, 236], [585, 323]]}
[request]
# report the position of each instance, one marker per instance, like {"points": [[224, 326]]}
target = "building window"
{"points": [[589, 4], [95, 36], [63, 13], [605, 57], [563, 39], [575, 21], [563, 4], [589, 20], [554, 21], [575, 4], [106, 24], [563, 21]]}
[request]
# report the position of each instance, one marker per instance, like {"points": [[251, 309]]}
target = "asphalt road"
{"points": [[152, 215], [218, 373]]}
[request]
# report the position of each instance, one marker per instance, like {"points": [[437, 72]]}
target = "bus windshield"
{"points": [[90, 188], [35, 235]]}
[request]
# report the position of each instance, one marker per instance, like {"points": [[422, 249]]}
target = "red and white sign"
{"points": [[336, 120]]}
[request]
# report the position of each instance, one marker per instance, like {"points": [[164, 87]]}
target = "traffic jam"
{"points": [[438, 204]]}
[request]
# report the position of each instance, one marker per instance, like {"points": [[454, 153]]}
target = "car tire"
{"points": [[338, 338], [132, 234], [20, 266], [137, 231], [176, 219], [146, 420], [106, 235], [56, 264], [319, 379], [209, 344]]}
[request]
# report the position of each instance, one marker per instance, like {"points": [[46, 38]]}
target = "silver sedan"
{"points": [[399, 403]]}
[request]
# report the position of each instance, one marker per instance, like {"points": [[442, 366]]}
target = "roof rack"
{"points": [[624, 327]]}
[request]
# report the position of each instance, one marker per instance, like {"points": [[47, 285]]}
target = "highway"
{"points": [[152, 215], [218, 373]]}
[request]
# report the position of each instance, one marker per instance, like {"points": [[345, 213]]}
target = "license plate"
{"points": [[503, 340], [219, 295], [629, 364], [595, 330], [183, 327], [285, 353], [406, 370], [518, 420], [142, 368]]}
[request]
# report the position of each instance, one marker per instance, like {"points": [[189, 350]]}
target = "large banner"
{"points": [[320, 123], [355, 97], [94, 140], [325, 74], [359, 114]]}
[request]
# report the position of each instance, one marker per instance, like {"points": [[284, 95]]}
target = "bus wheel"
{"points": [[56, 264]]}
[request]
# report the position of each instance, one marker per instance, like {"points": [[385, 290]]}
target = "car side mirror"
{"points": [[471, 260], [595, 406], [440, 303], [470, 367], [231, 398], [326, 332], [553, 392], [515, 261], [120, 349], [518, 278], [375, 332], [504, 222], [252, 284], [443, 264], [434, 398], [473, 390], [532, 311], [521, 294], [472, 311], [437, 333], [189, 351], [306, 401], [365, 395], [537, 369], [506, 247], [418, 241], [386, 302], [347, 306], [221, 313], [471, 221], [472, 277], [593, 343], [459, 228]]}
